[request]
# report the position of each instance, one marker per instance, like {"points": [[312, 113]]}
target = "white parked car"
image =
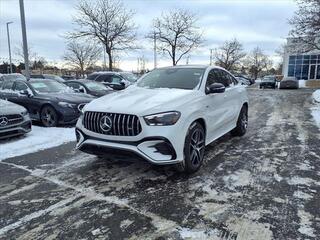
{"points": [[167, 117]]}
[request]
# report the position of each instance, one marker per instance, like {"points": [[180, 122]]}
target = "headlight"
{"points": [[162, 119], [65, 104]]}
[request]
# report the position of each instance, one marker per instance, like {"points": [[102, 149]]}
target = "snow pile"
{"points": [[302, 83], [315, 111], [38, 139], [316, 96]]}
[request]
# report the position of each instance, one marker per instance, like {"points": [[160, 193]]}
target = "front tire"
{"points": [[49, 116], [194, 147], [242, 123]]}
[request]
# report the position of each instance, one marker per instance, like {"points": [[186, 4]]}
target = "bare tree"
{"points": [[229, 54], [306, 25], [81, 56], [257, 62], [33, 55], [36, 61], [107, 21], [177, 33]]}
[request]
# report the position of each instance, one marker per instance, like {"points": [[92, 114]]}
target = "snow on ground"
{"points": [[38, 139], [315, 111]]}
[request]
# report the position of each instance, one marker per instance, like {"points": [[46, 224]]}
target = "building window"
{"points": [[292, 59], [291, 70], [304, 66], [305, 72]]}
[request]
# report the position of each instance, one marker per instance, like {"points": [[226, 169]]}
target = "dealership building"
{"points": [[301, 65]]}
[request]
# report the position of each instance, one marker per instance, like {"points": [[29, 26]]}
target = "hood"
{"points": [[100, 93], [67, 97], [142, 101], [7, 108]]}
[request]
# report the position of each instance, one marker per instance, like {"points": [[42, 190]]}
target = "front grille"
{"points": [[121, 124], [12, 119]]}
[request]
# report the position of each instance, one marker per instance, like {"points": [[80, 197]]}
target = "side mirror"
{"points": [[215, 88], [25, 93]]}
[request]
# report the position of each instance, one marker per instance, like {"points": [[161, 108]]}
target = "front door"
{"points": [[313, 72]]}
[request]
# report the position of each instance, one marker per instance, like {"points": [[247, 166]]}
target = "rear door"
{"points": [[28, 101]]}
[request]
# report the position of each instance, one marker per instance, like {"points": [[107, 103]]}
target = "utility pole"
{"points": [[155, 49], [24, 40], [8, 33], [187, 61], [211, 56]]}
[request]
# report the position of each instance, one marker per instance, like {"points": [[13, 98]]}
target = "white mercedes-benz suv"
{"points": [[167, 117]]}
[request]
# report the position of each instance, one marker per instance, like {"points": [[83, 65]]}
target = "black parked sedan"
{"points": [[93, 88], [46, 100], [268, 82]]}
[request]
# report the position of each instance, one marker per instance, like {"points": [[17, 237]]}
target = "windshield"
{"points": [[54, 77], [129, 76], [92, 76], [14, 77], [95, 86], [182, 78], [48, 86], [268, 79]]}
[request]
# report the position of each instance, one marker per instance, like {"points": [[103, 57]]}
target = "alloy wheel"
{"points": [[197, 146], [48, 117]]}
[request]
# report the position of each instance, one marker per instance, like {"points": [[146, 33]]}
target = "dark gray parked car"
{"points": [[289, 83], [46, 100], [14, 120]]}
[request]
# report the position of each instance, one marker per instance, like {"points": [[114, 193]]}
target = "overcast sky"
{"points": [[252, 22]]}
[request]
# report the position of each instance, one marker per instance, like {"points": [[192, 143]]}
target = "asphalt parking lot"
{"points": [[265, 185]]}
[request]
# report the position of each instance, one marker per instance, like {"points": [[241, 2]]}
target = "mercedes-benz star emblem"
{"points": [[105, 123], [3, 121]]}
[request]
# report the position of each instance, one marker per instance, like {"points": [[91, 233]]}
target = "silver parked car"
{"points": [[289, 83], [14, 120]]}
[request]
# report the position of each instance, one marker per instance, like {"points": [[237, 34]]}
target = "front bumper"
{"points": [[16, 129], [149, 145], [68, 115]]}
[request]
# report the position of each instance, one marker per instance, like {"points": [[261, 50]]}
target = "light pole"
{"points": [[8, 33], [154, 50], [24, 39], [211, 56]]}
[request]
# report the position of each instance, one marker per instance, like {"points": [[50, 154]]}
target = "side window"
{"points": [[224, 78], [103, 78], [212, 77], [8, 85], [116, 79], [74, 85], [20, 86], [232, 80]]}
